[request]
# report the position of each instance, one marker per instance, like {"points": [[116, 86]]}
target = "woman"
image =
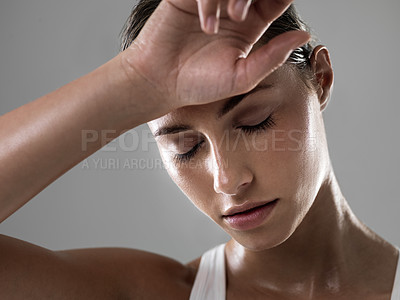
{"points": [[241, 134]]}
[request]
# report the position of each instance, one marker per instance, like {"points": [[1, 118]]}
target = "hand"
{"points": [[186, 65]]}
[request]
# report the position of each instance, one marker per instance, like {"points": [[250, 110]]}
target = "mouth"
{"points": [[246, 208], [249, 216]]}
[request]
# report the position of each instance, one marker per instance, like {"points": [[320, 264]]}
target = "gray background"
{"points": [[47, 43]]}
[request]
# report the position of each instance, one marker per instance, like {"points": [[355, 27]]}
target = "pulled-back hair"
{"points": [[288, 21]]}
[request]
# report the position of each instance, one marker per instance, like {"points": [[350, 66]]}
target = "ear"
{"points": [[322, 69]]}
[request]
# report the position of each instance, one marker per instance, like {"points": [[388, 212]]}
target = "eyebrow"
{"points": [[171, 130], [228, 106], [234, 101]]}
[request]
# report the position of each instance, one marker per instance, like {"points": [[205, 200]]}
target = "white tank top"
{"points": [[210, 283]]}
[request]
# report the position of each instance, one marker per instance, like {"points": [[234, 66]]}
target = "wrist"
{"points": [[139, 96], [123, 96]]}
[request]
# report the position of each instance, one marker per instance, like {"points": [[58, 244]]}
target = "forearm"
{"points": [[43, 139]]}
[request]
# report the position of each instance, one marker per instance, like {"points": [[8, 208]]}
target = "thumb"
{"points": [[266, 59]]}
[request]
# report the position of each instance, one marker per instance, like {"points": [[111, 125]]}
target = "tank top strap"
{"points": [[210, 278], [210, 282], [396, 284]]}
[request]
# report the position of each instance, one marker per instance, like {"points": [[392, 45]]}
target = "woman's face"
{"points": [[243, 152]]}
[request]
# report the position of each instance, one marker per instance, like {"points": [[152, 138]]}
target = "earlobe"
{"points": [[323, 73]]}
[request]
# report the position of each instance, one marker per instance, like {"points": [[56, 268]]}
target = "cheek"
{"points": [[293, 163], [304, 162], [194, 180]]}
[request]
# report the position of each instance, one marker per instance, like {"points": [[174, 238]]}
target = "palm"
{"points": [[190, 67]]}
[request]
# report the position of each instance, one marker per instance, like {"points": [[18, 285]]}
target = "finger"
{"points": [[238, 9], [209, 12], [265, 60], [269, 10]]}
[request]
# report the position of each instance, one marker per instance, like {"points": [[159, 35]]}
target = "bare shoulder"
{"points": [[194, 265], [28, 271]]}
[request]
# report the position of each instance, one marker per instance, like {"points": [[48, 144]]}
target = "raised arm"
{"points": [[172, 63], [43, 139]]}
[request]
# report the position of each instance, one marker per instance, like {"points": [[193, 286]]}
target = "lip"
{"points": [[249, 215], [244, 207]]}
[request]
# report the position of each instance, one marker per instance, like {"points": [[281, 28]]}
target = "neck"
{"points": [[322, 253]]}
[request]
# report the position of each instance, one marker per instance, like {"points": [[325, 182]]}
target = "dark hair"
{"points": [[288, 21]]}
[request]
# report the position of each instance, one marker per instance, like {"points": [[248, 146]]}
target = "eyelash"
{"points": [[269, 122], [182, 158]]}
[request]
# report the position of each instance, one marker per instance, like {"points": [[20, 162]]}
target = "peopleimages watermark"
{"points": [[130, 141], [112, 163]]}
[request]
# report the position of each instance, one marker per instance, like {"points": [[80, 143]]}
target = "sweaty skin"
{"points": [[313, 245], [306, 248]]}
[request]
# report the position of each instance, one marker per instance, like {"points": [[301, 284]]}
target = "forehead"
{"points": [[282, 78]]}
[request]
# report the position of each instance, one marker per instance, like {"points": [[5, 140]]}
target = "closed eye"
{"points": [[181, 158], [269, 122]]}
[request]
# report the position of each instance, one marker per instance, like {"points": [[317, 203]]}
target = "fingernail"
{"points": [[211, 25], [241, 9]]}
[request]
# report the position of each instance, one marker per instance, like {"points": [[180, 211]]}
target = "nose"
{"points": [[230, 172]]}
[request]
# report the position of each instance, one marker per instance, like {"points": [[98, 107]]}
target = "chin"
{"points": [[260, 240]]}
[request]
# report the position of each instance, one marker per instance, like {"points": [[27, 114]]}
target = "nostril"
{"points": [[243, 185], [232, 185], [230, 178]]}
